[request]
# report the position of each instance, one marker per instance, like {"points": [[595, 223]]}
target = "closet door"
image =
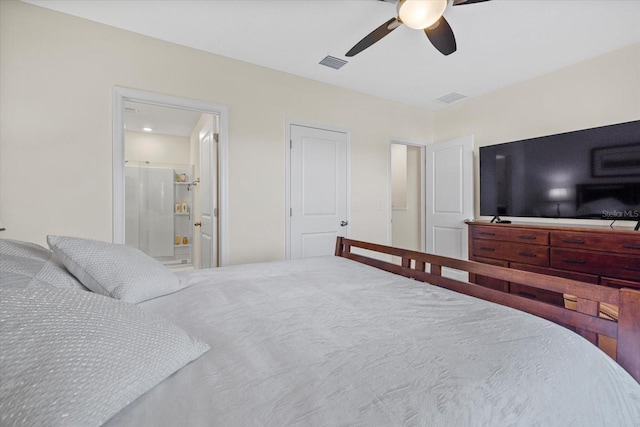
{"points": [[319, 190], [449, 173]]}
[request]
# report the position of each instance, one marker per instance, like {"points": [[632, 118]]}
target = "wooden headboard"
{"points": [[584, 320]]}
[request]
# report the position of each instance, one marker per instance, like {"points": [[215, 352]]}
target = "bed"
{"points": [[94, 333]]}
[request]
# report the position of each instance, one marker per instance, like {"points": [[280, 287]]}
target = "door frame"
{"points": [[120, 96], [423, 189], [287, 147]]}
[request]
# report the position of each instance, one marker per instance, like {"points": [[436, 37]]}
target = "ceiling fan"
{"points": [[426, 15]]}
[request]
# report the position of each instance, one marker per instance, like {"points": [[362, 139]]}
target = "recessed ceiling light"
{"points": [[147, 129]]}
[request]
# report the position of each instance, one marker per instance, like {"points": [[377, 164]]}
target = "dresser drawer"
{"points": [[490, 282], [605, 242], [573, 275], [518, 252], [617, 283], [537, 294], [603, 264], [521, 235]]}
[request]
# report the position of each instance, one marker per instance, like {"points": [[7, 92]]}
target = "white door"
{"points": [[208, 196], [318, 190], [449, 198]]}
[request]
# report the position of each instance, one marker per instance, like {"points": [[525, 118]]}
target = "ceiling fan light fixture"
{"points": [[420, 14]]}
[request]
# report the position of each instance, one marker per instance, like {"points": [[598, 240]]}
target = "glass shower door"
{"points": [[154, 210]]}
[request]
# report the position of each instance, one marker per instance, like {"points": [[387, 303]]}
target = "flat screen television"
{"points": [[591, 173]]}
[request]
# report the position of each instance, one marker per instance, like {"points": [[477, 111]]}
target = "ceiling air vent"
{"points": [[450, 98], [331, 62]]}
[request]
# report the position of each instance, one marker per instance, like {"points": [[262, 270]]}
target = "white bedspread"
{"points": [[330, 342]]}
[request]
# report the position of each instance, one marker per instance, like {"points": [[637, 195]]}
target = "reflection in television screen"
{"points": [[592, 173]]}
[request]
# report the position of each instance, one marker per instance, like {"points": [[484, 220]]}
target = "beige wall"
{"points": [[601, 91], [406, 222], [156, 148], [398, 176], [57, 73]]}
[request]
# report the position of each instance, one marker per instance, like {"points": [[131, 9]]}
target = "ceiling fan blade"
{"points": [[463, 2], [441, 36], [374, 36]]}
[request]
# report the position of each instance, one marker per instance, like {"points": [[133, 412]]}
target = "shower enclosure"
{"points": [[158, 211]]}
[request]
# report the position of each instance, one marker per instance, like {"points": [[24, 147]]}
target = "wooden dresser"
{"points": [[599, 255]]}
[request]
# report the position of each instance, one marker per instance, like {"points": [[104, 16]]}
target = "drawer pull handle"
{"points": [[631, 246], [527, 237], [578, 241], [527, 254], [487, 249], [574, 261], [632, 268], [486, 233]]}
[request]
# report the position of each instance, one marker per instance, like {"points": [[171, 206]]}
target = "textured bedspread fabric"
{"points": [[329, 342]]}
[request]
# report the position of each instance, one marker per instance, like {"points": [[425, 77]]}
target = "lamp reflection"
{"points": [[558, 195]]}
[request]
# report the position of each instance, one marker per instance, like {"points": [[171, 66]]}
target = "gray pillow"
{"points": [[77, 358], [118, 271], [25, 264]]}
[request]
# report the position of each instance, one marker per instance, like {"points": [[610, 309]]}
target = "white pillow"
{"points": [[72, 358], [25, 264], [119, 271]]}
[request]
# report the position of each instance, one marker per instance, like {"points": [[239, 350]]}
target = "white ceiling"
{"points": [[500, 42]]}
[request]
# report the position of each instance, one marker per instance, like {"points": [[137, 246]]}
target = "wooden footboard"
{"points": [[428, 268]]}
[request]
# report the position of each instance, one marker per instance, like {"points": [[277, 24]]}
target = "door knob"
{"points": [[344, 223], [198, 224]]}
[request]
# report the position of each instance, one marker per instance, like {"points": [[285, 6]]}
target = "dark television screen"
{"points": [[592, 173]]}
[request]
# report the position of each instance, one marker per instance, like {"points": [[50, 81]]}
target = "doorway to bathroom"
{"points": [[169, 204]]}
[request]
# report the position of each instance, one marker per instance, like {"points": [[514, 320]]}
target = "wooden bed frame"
{"points": [[584, 320]]}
